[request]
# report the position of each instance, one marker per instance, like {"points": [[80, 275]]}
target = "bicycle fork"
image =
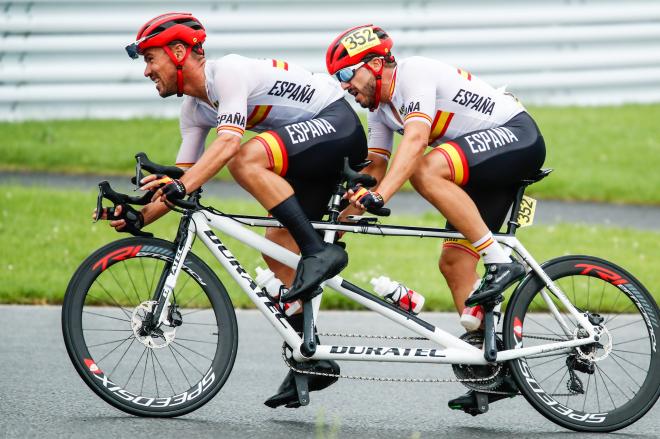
{"points": [[162, 314]]}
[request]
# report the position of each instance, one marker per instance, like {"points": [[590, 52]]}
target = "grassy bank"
{"points": [[599, 153], [47, 233]]}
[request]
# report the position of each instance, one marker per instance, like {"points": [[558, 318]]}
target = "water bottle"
{"points": [[275, 288], [398, 294], [472, 316]]}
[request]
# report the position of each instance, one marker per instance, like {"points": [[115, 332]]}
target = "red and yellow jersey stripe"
{"points": [[384, 152], [257, 116], [440, 125], [458, 166], [280, 64], [415, 115], [185, 166], [467, 75], [276, 151], [231, 129], [462, 245]]}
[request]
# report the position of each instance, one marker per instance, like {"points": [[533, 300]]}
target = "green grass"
{"points": [[599, 153], [47, 233]]}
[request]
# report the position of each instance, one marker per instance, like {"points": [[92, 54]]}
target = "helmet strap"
{"points": [[379, 82], [179, 67]]}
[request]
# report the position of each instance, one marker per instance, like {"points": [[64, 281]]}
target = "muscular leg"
{"points": [[431, 180], [460, 270], [283, 238], [250, 169]]}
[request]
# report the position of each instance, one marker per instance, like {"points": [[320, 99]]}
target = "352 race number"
{"points": [[360, 40], [526, 212]]}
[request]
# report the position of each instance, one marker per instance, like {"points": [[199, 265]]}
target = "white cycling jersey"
{"points": [[451, 101], [252, 94]]}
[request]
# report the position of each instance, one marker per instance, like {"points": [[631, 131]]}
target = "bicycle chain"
{"points": [[291, 366]]}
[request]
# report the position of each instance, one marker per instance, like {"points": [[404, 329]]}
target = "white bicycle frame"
{"points": [[450, 349]]}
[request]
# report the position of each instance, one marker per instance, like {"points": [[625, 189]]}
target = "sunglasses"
{"points": [[347, 73], [133, 48]]}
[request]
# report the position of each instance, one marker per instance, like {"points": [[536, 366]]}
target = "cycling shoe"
{"points": [[314, 269], [287, 395], [497, 279]]}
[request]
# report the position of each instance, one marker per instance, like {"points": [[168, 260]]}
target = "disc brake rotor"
{"points": [[156, 338]]}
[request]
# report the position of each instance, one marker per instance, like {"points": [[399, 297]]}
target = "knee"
{"points": [[456, 266]]}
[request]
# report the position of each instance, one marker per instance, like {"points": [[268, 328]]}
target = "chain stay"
{"points": [[291, 366]]}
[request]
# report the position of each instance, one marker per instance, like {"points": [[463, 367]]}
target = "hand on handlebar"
{"points": [[126, 218], [164, 187], [363, 198]]}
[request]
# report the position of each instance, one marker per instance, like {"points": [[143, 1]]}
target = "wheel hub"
{"points": [[155, 338]]}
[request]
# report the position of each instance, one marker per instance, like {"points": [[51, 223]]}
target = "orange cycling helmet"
{"points": [[354, 46], [165, 29]]}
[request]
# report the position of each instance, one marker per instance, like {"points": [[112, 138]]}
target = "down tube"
{"points": [[413, 323], [243, 279]]}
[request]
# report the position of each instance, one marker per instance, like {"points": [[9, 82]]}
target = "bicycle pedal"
{"points": [[482, 403], [302, 388]]}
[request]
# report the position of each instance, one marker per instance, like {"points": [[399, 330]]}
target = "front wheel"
{"points": [[163, 371], [599, 387]]}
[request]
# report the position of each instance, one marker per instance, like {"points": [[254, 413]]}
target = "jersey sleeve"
{"points": [[231, 85], [379, 136], [193, 136], [419, 95]]}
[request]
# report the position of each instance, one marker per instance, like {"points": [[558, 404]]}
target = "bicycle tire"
{"points": [[85, 322], [627, 373]]}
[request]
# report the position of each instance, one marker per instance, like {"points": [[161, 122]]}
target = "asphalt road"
{"points": [[410, 203], [42, 396]]}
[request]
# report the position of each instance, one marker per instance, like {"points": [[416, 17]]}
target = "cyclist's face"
{"points": [[362, 86], [161, 70]]}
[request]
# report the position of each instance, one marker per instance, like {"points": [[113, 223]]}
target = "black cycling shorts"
{"points": [[310, 154], [489, 164]]}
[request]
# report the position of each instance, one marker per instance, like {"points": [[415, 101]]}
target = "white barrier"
{"points": [[65, 58]]}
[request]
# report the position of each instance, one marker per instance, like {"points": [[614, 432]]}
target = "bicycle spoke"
{"points": [[164, 373], [625, 325], [108, 330], [544, 327], [631, 352], [179, 364], [192, 350], [626, 372], [153, 279], [619, 343], [196, 341], [144, 372], [112, 273], [632, 364], [115, 348], [107, 317], [561, 380], [558, 357], [123, 355], [108, 342], [136, 365], [113, 299], [130, 278], [629, 376], [552, 374], [586, 392], [144, 275], [153, 366], [600, 372], [602, 295]]}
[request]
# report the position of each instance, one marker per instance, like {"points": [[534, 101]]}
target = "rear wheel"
{"points": [[600, 387], [169, 370]]}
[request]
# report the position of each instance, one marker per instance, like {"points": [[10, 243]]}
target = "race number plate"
{"points": [[526, 212], [360, 40]]}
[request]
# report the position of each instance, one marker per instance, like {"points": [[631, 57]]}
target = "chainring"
{"points": [[471, 371]]}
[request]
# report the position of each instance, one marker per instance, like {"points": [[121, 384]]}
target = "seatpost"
{"points": [[513, 225]]}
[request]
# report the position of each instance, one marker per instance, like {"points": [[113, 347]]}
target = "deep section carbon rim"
{"points": [[163, 371], [600, 387]]}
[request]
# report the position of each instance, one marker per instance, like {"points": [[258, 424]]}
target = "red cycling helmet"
{"points": [[359, 44], [165, 29]]}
